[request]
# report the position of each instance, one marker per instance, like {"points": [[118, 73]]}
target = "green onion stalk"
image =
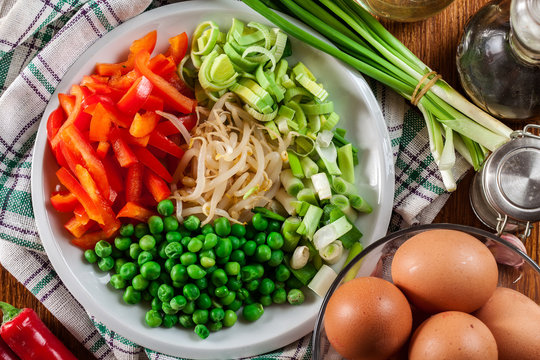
{"points": [[453, 123]]}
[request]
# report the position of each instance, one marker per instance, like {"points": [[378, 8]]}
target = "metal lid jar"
{"points": [[505, 194]]}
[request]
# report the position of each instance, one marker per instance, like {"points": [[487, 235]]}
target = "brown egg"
{"points": [[367, 318], [452, 335], [442, 270], [514, 320]]}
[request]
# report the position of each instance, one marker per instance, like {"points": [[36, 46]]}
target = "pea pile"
{"points": [[199, 277]]}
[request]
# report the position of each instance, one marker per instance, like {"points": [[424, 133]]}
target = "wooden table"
{"points": [[434, 41]]}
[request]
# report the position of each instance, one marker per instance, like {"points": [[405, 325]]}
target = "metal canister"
{"points": [[505, 194]]}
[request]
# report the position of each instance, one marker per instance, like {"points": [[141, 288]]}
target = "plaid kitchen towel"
{"points": [[39, 40]]}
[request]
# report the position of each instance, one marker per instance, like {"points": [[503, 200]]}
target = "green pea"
{"points": [[195, 245], [186, 321], [118, 264], [178, 284], [274, 240], [179, 273], [260, 238], [232, 268], [153, 318], [219, 277], [230, 318], [90, 256], [117, 282], [188, 258], [249, 247], [222, 226], [207, 253], [210, 241], [238, 256], [103, 249], [153, 288], [165, 292], [282, 273], [202, 331], [200, 237], [128, 271], [217, 314], [259, 222], [106, 263], [178, 302], [242, 242], [139, 282], [266, 286], [200, 316], [161, 250], [170, 223], [279, 296], [235, 305], [122, 243], [192, 223], [224, 247], [134, 251], [234, 283], [207, 262], [253, 285], [173, 250], [169, 321], [215, 326], [221, 291], [131, 296], [273, 225], [242, 294], [150, 270], [201, 283], [155, 224], [229, 298], [168, 309], [207, 229], [238, 230], [253, 312], [191, 292], [276, 258], [295, 297], [263, 253], [147, 242], [189, 308], [169, 264], [248, 273], [156, 304], [195, 271], [185, 241], [173, 236], [144, 257], [265, 300], [165, 207], [204, 301], [235, 242], [127, 230], [141, 229]]}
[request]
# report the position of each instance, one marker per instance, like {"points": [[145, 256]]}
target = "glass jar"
{"points": [[405, 10]]}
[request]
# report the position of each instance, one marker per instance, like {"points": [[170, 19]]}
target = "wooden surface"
{"points": [[434, 41]]}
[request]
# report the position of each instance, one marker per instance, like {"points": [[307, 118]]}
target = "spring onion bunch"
{"points": [[453, 122]]}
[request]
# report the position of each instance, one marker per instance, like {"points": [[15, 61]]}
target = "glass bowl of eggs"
{"points": [[431, 292]]}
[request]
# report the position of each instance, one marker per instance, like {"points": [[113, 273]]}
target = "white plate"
{"points": [[280, 325]]}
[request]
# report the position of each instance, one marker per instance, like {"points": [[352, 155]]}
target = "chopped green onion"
{"points": [[296, 167], [268, 213], [331, 232], [309, 167], [290, 236], [308, 195], [346, 163], [322, 281], [322, 186], [360, 204], [310, 222], [291, 183]]}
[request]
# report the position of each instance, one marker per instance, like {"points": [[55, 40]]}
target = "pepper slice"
{"points": [[178, 47], [136, 96], [100, 124], [160, 141], [167, 128], [77, 227], [158, 188], [88, 241], [77, 91], [144, 124], [135, 211], [171, 95], [28, 337], [151, 162], [134, 182], [124, 154], [64, 201]]}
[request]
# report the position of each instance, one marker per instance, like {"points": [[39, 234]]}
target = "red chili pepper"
{"points": [[6, 353], [29, 338]]}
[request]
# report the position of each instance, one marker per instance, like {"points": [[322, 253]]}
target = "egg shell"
{"points": [[443, 270], [514, 320], [367, 318], [452, 335]]}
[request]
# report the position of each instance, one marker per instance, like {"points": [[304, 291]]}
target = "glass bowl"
{"points": [[376, 259]]}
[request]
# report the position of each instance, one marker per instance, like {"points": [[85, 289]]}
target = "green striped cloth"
{"points": [[39, 40]]}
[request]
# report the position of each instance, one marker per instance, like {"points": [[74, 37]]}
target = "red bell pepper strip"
{"points": [[135, 211], [77, 144], [160, 141], [132, 140], [124, 82], [81, 214], [100, 125], [102, 149], [134, 183], [151, 162], [64, 202], [54, 122], [73, 185], [178, 47], [171, 95], [179, 85], [28, 337], [124, 154], [146, 43], [167, 128], [104, 69], [162, 65], [114, 174], [144, 124], [6, 353], [70, 159], [77, 227], [88, 241], [153, 103], [78, 92], [67, 103], [111, 224], [136, 96], [157, 186], [96, 84]]}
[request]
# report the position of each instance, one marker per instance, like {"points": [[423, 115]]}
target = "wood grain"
{"points": [[434, 41]]}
